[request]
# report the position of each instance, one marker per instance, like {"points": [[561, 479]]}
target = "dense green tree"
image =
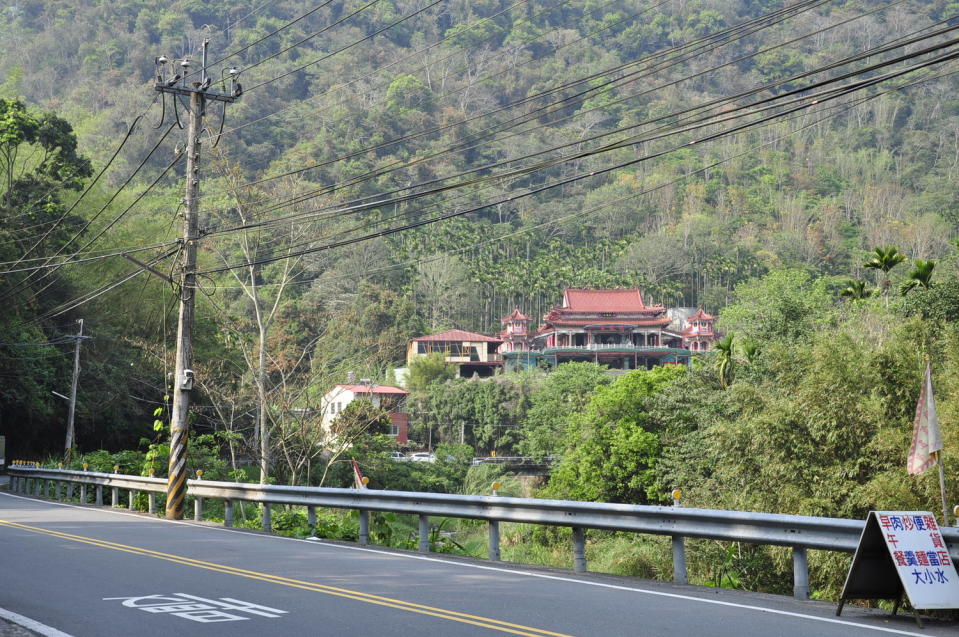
{"points": [[783, 305], [564, 392], [429, 369], [609, 451]]}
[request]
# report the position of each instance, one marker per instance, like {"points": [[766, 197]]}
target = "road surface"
{"points": [[87, 571]]}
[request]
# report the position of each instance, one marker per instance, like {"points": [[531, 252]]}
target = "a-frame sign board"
{"points": [[902, 552]]}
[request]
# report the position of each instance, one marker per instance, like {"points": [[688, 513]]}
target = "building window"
{"points": [[394, 430]]}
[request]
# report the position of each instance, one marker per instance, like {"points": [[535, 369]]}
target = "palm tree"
{"points": [[921, 276], [855, 290], [884, 260], [724, 351], [750, 350]]}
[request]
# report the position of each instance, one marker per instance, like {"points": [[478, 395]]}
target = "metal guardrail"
{"points": [[519, 461], [796, 531]]}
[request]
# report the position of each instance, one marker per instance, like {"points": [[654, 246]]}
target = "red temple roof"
{"points": [[604, 301], [701, 314], [457, 336], [515, 315]]}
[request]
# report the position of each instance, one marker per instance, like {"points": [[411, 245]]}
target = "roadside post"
{"points": [[680, 574], [493, 552]]}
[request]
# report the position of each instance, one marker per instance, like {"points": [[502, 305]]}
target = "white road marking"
{"points": [[571, 580], [198, 609], [31, 624]]}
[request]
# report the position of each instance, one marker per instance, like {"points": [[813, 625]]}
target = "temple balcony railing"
{"points": [[599, 347]]}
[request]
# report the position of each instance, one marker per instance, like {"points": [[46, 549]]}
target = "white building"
{"points": [[381, 396]]}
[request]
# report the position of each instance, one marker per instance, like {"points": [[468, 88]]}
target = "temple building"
{"points": [[471, 353], [610, 327], [699, 331]]}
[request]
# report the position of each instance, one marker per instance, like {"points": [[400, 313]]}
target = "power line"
{"points": [[268, 36], [27, 280], [90, 186], [311, 36], [465, 145], [407, 137], [74, 261], [97, 236], [90, 296], [348, 46], [839, 109], [944, 58], [383, 202]]}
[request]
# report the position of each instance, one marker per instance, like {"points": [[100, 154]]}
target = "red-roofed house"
{"points": [[610, 327], [382, 396], [472, 353]]}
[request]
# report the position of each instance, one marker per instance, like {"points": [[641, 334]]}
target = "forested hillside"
{"points": [[395, 167]]}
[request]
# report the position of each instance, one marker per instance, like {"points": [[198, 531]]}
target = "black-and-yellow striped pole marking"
{"points": [[176, 483]]}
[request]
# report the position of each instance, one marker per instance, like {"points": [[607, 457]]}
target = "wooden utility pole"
{"points": [[68, 445], [183, 379]]}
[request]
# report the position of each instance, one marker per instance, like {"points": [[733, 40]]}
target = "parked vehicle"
{"points": [[422, 457], [399, 456]]}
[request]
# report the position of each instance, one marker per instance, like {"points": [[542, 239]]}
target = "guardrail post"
{"points": [[37, 487], [311, 518], [267, 520], [680, 575], [198, 501], [46, 488], [228, 513], [579, 549], [56, 489], [364, 528], [115, 492], [152, 507], [131, 499], [424, 534], [800, 573], [99, 495], [494, 540], [83, 493]]}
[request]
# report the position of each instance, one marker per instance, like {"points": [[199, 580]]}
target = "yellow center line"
{"points": [[483, 622]]}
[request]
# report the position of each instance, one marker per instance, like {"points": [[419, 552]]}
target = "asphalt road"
{"points": [[93, 572]]}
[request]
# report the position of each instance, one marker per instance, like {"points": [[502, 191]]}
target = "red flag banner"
{"points": [[926, 439], [357, 476]]}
